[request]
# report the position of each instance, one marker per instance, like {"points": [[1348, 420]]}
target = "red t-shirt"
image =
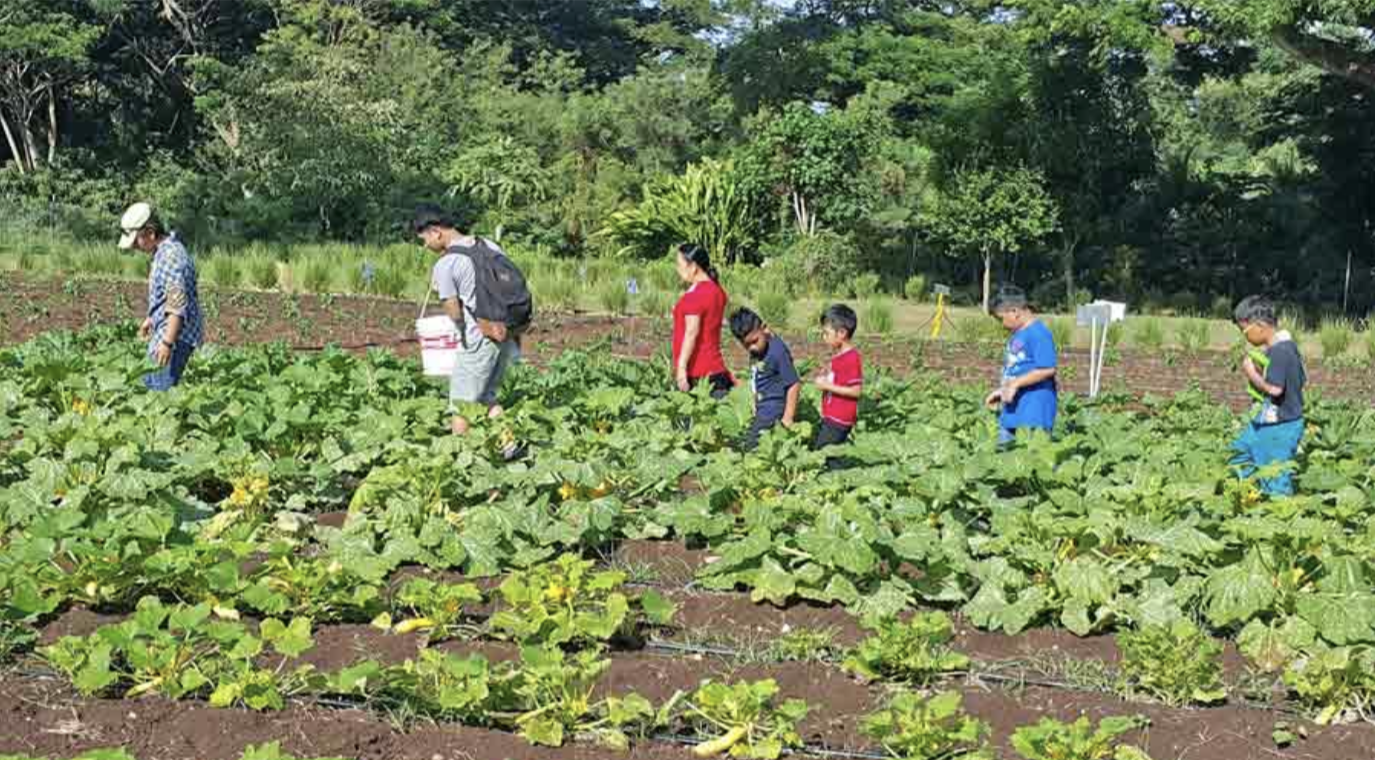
{"points": [[707, 300], [847, 371]]}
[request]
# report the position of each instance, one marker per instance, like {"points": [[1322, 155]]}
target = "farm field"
{"points": [[287, 549]]}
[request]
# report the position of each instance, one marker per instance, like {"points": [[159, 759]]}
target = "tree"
{"points": [[44, 48], [704, 206], [814, 157], [990, 211], [499, 174], [1334, 36]]}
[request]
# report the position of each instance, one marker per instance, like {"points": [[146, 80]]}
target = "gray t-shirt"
{"points": [[453, 277], [1286, 371]]}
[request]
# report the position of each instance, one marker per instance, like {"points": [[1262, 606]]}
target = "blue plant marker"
{"points": [[632, 287], [369, 271]]}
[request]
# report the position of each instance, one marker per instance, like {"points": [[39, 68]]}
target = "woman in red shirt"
{"points": [[697, 325]]}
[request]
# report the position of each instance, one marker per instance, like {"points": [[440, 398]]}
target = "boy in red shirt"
{"points": [[843, 383]]}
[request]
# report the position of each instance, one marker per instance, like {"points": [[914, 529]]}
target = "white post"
{"points": [[1093, 357]]}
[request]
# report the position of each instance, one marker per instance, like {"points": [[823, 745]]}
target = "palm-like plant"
{"points": [[704, 205]]}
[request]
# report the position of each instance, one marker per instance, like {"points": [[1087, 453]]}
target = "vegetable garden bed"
{"points": [[291, 547]]}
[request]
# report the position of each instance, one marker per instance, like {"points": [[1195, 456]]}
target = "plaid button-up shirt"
{"points": [[172, 290]]}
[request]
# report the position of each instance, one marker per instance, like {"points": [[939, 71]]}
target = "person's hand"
{"points": [[1008, 393], [787, 422], [1248, 366], [162, 354], [821, 383], [994, 399], [145, 330], [683, 384]]}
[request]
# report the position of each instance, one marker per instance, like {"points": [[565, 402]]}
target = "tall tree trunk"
{"points": [[30, 145], [52, 124], [988, 278], [14, 147], [1067, 261]]}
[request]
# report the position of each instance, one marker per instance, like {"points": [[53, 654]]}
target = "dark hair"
{"points": [[1255, 309], [838, 316], [155, 224], [743, 322], [432, 215], [696, 254], [1008, 297]]}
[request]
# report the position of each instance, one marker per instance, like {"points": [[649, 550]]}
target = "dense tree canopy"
{"points": [[1174, 153]]}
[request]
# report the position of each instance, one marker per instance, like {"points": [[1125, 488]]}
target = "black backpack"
{"points": [[504, 306]]}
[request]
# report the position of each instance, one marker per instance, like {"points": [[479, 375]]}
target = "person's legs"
{"points": [[1277, 444], [508, 353], [1243, 459], [757, 427], [721, 385], [165, 378], [473, 368]]}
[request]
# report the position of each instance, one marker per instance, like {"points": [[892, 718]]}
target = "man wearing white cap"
{"points": [[173, 325]]}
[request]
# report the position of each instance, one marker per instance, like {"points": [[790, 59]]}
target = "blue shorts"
{"points": [[1260, 445]]}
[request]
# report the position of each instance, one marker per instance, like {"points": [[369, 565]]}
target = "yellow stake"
{"points": [[940, 316]]}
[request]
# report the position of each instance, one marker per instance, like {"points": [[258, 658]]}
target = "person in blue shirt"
{"points": [[773, 377], [1028, 396], [173, 326]]}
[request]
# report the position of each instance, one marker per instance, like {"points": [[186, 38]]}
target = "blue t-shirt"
{"points": [[771, 377], [1030, 348]]}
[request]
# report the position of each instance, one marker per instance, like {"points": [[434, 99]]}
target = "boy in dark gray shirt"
{"points": [[1273, 435]]}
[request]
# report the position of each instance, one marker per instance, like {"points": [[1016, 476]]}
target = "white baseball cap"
{"points": [[134, 219]]}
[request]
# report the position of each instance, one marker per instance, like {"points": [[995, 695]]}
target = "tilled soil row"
{"points": [[839, 701], [310, 322]]}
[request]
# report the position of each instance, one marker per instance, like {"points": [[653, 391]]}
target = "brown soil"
{"points": [[77, 621], [41, 718], [668, 564], [357, 323]]}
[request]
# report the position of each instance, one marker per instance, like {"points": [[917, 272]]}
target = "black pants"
{"points": [[721, 384], [831, 434], [757, 428]]}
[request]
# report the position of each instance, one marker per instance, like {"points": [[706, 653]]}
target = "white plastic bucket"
{"points": [[438, 345]]}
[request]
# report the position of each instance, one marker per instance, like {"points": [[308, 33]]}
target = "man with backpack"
{"points": [[487, 298]]}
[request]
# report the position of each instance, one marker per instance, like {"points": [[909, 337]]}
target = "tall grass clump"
{"points": [[316, 274], [1192, 334], [914, 289], [613, 298], [222, 269], [554, 290], [877, 315], [1062, 330], [656, 303], [774, 306], [865, 285], [1148, 332], [978, 328], [1335, 336]]}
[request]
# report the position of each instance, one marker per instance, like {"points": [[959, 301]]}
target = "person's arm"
{"points": [[692, 328], [790, 404], [1261, 381], [454, 308]]}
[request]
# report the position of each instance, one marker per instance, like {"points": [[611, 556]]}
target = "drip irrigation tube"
{"points": [[807, 750]]}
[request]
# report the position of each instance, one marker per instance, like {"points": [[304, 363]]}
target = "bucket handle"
{"points": [[424, 304]]}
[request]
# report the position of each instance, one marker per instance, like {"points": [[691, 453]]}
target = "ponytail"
{"points": [[696, 254]]}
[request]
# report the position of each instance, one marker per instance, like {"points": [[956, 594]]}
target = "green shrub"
{"points": [[554, 291], [978, 328], [1369, 335], [317, 275], [774, 307], [261, 271], [865, 285], [1336, 337], [656, 303], [827, 261], [391, 280], [222, 270], [613, 298], [1148, 332], [1222, 308], [928, 728], [1192, 334], [1151, 663], [877, 316], [914, 289], [1115, 333], [1051, 739], [916, 651], [1062, 330]]}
